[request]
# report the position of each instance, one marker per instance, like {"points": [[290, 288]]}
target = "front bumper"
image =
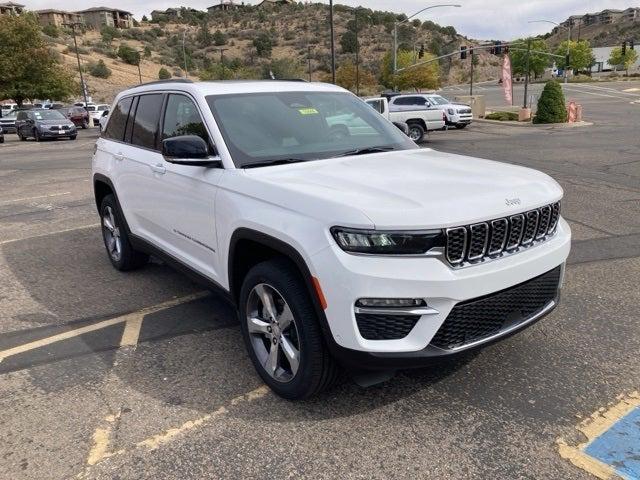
{"points": [[57, 134], [345, 278]]}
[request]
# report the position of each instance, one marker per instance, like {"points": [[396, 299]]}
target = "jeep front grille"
{"points": [[477, 242]]}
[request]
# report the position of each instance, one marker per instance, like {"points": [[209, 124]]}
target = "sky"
{"points": [[479, 19]]}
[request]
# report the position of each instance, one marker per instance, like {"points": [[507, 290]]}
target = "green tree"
{"points": [[625, 61], [99, 70], [51, 31], [537, 61], [163, 74], [108, 33], [348, 42], [219, 38], [346, 77], [128, 54], [417, 78], [28, 69], [147, 51], [144, 18], [283, 68], [551, 106], [263, 44], [204, 36], [217, 71], [580, 55]]}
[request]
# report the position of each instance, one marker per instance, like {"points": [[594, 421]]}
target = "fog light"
{"points": [[390, 302]]}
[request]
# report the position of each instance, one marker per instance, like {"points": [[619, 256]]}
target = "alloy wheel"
{"points": [[111, 233], [273, 332], [415, 134]]}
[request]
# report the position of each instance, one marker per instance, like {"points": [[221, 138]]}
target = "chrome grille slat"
{"points": [[478, 239], [498, 240], [494, 238]]}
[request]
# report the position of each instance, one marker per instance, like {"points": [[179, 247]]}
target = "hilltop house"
{"points": [[605, 17], [268, 3], [58, 18], [96, 17], [223, 5], [10, 8]]}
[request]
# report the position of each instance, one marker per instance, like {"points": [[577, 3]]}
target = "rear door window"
{"points": [[145, 125], [118, 121]]}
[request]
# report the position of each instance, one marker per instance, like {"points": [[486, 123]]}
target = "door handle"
{"points": [[159, 168], [119, 156]]}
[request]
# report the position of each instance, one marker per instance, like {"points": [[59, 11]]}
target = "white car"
{"points": [[96, 111], [102, 121], [419, 121], [360, 251], [458, 115]]}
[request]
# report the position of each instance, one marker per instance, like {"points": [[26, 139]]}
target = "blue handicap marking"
{"points": [[619, 446]]}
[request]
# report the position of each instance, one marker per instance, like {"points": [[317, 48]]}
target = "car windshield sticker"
{"points": [[308, 111]]}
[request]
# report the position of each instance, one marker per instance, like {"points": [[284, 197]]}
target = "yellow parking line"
{"points": [[594, 426], [135, 317]]}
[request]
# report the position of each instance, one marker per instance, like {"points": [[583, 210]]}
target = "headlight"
{"points": [[451, 111], [387, 242]]}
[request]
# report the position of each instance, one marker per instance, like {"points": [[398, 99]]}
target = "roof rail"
{"points": [[171, 80], [290, 80]]}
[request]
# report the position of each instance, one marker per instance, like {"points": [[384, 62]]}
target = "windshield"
{"points": [[48, 115], [300, 126], [438, 100]]}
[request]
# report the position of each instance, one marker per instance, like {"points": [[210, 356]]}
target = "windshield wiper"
{"points": [[364, 151], [270, 163]]}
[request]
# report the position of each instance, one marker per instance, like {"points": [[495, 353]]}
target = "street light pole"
{"points": [[333, 43], [395, 31], [184, 55], [75, 43], [357, 54], [568, 29]]}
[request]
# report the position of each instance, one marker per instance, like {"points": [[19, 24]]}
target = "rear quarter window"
{"points": [[118, 121]]}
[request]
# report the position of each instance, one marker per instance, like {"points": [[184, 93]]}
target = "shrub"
{"points": [[51, 31], [263, 44], [99, 70], [164, 74], [219, 38], [551, 106], [108, 33], [503, 116], [128, 54]]}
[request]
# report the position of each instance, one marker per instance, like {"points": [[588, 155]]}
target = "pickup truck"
{"points": [[420, 121], [458, 115]]}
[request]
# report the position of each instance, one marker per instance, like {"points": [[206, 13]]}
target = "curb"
{"points": [[541, 126]]}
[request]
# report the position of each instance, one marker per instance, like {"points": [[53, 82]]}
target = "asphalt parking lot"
{"points": [[144, 374]]}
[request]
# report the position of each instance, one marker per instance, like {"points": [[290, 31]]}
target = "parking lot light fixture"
{"points": [[568, 29], [395, 30]]}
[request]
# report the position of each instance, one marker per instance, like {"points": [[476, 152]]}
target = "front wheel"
{"points": [[85, 125], [36, 135], [72, 137], [461, 125], [116, 239], [416, 132], [282, 332]]}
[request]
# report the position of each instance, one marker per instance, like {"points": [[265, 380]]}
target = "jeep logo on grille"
{"points": [[512, 201]]}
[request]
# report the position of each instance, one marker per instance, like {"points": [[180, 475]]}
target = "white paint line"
{"points": [[597, 94], [5, 202], [57, 232], [99, 325]]}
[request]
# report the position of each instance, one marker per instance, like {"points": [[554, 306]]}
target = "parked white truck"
{"points": [[457, 115], [420, 121]]}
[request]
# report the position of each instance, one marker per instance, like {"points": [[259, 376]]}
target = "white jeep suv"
{"points": [[358, 250]]}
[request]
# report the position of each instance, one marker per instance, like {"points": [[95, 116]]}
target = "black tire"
{"points": [[85, 125], [22, 139], [461, 125], [1, 139], [128, 258], [317, 369], [73, 137], [36, 136], [416, 132]]}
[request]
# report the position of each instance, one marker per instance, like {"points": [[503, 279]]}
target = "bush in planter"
{"points": [[551, 106]]}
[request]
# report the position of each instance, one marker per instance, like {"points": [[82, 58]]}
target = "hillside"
{"points": [[608, 35], [284, 35]]}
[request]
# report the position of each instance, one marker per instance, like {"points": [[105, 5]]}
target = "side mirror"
{"points": [[403, 127], [188, 150]]}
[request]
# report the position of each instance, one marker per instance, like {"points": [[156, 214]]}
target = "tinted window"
{"points": [[411, 101], [145, 126], [378, 105], [21, 116], [182, 118], [118, 121]]}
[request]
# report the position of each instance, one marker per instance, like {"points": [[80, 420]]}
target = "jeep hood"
{"points": [[415, 189]]}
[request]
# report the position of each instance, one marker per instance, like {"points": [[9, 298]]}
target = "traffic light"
{"points": [[624, 48], [421, 52], [497, 49], [463, 52]]}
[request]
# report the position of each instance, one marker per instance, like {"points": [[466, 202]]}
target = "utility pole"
{"points": [[75, 43], [139, 72], [309, 60], [471, 82], [221, 50], [333, 44], [526, 78], [184, 55], [357, 54]]}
